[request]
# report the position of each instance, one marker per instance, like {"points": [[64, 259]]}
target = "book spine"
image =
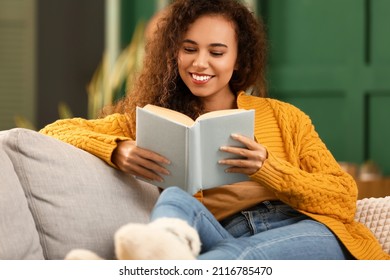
{"points": [[194, 182]]}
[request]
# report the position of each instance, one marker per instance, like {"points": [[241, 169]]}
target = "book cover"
{"points": [[193, 146]]}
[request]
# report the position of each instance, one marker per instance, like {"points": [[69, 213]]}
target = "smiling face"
{"points": [[207, 59]]}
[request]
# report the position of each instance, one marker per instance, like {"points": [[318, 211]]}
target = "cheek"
{"points": [[226, 68], [182, 59], [182, 63], [228, 64]]}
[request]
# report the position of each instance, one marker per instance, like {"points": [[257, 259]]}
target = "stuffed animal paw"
{"points": [[163, 239], [81, 254]]}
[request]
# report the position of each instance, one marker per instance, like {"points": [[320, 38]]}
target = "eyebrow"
{"points": [[212, 45]]}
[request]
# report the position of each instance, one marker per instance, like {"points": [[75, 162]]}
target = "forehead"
{"points": [[213, 28]]}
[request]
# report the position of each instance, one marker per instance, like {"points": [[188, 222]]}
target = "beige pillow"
{"points": [[375, 214]]}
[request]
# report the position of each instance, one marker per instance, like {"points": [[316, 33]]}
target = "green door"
{"points": [[332, 59]]}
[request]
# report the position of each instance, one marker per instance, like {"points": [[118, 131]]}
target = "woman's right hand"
{"points": [[139, 162]]}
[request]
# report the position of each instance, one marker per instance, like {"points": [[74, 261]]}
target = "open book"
{"points": [[193, 147]]}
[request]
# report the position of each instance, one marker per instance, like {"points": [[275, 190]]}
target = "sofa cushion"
{"points": [[18, 235], [76, 199]]}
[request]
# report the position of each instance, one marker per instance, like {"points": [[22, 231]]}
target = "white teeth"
{"points": [[201, 78]]}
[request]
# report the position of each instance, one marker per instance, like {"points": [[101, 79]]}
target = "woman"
{"points": [[297, 203]]}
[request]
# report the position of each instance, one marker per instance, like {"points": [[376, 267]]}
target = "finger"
{"points": [[242, 163], [241, 152], [234, 162], [139, 166], [248, 142], [246, 171], [255, 151], [257, 155], [151, 165], [242, 166], [147, 154], [145, 173]]}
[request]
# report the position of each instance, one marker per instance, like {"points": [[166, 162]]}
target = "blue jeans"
{"points": [[271, 230]]}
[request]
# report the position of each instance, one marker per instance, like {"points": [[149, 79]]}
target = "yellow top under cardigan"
{"points": [[299, 170]]}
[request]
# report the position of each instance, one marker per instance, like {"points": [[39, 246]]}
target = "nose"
{"points": [[201, 60]]}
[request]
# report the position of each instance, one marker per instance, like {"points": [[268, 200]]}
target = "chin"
{"points": [[200, 94]]}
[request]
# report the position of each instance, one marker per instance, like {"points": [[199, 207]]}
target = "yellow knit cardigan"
{"points": [[300, 170]]}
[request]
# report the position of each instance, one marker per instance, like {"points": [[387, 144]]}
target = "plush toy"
{"points": [[164, 238]]}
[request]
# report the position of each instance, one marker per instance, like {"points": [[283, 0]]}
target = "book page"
{"points": [[216, 132], [170, 114], [219, 113], [167, 138], [184, 119]]}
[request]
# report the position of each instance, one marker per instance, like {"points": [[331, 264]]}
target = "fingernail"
{"points": [[166, 172]]}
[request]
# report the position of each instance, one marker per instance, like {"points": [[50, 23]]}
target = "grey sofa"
{"points": [[55, 197]]}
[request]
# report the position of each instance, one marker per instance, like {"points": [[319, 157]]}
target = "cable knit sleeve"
{"points": [[98, 137], [310, 180]]}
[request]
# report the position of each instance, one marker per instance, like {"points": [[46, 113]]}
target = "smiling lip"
{"points": [[200, 79]]}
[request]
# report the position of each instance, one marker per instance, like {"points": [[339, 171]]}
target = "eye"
{"points": [[189, 49], [215, 53]]}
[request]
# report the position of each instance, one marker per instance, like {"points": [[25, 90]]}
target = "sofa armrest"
{"points": [[19, 237]]}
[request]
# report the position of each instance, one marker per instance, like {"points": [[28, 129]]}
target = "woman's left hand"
{"points": [[251, 158]]}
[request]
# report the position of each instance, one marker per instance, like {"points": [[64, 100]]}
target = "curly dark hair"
{"points": [[159, 82]]}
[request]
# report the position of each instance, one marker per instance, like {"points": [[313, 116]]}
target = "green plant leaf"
{"points": [[107, 79], [64, 111], [22, 122]]}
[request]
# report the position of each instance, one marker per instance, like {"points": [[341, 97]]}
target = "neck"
{"points": [[218, 104]]}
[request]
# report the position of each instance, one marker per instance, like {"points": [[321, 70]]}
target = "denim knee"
{"points": [[174, 202], [175, 195]]}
